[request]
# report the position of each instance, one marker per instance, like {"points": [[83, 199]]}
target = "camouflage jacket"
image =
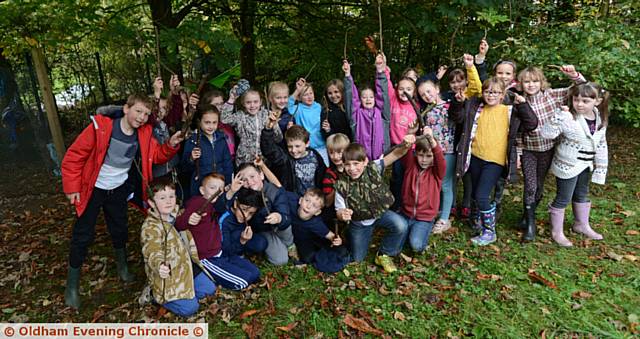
{"points": [[368, 196], [180, 251]]}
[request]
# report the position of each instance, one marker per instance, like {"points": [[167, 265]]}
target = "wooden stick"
{"points": [[311, 70], [380, 24], [344, 54], [559, 68], [158, 63], [211, 198]]}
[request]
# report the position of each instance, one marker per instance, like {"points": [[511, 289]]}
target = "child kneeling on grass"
{"points": [[315, 243], [423, 175], [363, 200], [171, 261], [229, 270]]}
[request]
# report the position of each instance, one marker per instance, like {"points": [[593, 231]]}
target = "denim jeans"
{"points": [[574, 189], [447, 194], [484, 176], [418, 233], [186, 307], [360, 235]]}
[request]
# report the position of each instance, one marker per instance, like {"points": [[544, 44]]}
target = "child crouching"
{"points": [[171, 262], [229, 270], [315, 243], [423, 175], [363, 200]]}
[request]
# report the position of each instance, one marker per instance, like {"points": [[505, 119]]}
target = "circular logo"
{"points": [[198, 332], [9, 331]]}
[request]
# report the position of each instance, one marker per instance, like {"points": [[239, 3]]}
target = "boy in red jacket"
{"points": [[424, 170], [98, 172]]}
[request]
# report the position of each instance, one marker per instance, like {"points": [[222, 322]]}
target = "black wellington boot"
{"points": [[530, 229]]}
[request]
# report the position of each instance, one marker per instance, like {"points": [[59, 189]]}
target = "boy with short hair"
{"points": [[315, 243], [237, 234], [97, 173], [424, 171], [298, 169], [363, 199], [228, 270], [336, 144], [173, 270]]}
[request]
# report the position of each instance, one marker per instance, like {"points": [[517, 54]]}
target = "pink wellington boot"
{"points": [[557, 226], [581, 223]]}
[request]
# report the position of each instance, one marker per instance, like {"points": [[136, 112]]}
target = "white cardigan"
{"points": [[577, 149]]}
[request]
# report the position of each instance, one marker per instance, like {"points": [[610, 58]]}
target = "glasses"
{"points": [[491, 93]]}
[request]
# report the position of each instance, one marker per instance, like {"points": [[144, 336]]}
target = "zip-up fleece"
{"points": [[421, 187]]}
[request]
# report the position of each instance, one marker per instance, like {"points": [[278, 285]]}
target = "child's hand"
{"points": [[300, 84], [233, 94], [483, 48], [518, 99], [273, 218], [176, 139], [337, 241], [258, 161], [174, 83], [569, 70], [196, 153], [409, 139], [164, 271], [157, 87], [460, 96], [381, 63], [346, 68], [441, 71], [195, 218], [427, 131], [289, 124], [413, 127], [236, 184], [246, 235], [194, 99], [468, 60], [344, 214], [326, 126], [73, 197], [272, 120]]}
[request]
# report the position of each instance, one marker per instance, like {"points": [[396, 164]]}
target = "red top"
{"points": [[206, 234], [84, 158], [421, 187]]}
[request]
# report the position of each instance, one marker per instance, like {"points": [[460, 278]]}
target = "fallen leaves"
{"points": [[618, 257], [360, 325], [247, 314], [535, 277], [632, 232], [493, 277], [581, 295], [287, 328]]}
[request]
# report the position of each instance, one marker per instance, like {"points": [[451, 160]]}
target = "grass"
{"points": [[452, 290]]}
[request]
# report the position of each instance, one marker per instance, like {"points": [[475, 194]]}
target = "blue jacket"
{"points": [[214, 156]]}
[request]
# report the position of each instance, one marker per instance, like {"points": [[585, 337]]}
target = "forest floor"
{"points": [[454, 289]]}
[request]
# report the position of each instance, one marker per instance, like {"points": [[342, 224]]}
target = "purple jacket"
{"points": [[370, 126]]}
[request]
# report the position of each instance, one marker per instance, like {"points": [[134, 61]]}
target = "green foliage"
{"points": [[292, 36]]}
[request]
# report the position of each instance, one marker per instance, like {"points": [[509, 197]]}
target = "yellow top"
{"points": [[474, 85], [492, 135]]}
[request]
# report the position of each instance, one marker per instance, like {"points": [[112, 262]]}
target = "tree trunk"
{"points": [[103, 86], [49, 101], [247, 51]]}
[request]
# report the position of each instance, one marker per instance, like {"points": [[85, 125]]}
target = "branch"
{"points": [[178, 17]]}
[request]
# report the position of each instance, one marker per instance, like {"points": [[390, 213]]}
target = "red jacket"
{"points": [[421, 187], [83, 160]]}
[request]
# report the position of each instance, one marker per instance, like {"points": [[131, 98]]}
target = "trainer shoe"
{"points": [[441, 226], [386, 262]]}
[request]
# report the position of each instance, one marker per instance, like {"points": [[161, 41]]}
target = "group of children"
{"points": [[290, 173]]}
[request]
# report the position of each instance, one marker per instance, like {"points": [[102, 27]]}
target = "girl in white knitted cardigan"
{"points": [[580, 157]]}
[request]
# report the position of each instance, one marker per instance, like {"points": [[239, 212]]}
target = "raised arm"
{"points": [[474, 85], [400, 150]]}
